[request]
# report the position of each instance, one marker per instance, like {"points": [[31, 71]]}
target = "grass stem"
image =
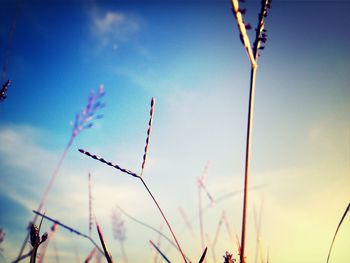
{"points": [[165, 219], [336, 232]]}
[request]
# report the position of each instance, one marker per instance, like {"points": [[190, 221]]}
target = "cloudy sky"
{"points": [[188, 56]]}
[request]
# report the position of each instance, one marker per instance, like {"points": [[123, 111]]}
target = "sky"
{"points": [[188, 56]]}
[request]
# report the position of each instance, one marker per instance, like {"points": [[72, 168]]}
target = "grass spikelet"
{"points": [[148, 136], [116, 166], [347, 210], [243, 31]]}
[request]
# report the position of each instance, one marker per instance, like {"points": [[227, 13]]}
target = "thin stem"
{"points": [[212, 248], [203, 255], [47, 190], [23, 257], [152, 228], [165, 219], [122, 248], [91, 254], [57, 258], [218, 229], [70, 229], [104, 246], [200, 216], [258, 223], [247, 158], [159, 251], [187, 223], [336, 232]]}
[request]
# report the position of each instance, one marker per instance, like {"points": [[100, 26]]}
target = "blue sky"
{"points": [[188, 56]]}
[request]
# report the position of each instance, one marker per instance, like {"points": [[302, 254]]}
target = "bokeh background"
{"points": [[186, 54]]}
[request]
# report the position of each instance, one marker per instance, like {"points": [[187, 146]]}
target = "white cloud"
{"points": [[113, 28], [109, 21]]}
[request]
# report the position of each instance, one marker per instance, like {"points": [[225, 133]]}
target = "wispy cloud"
{"points": [[113, 28]]}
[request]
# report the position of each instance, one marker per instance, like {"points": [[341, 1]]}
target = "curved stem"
{"points": [[336, 232]]}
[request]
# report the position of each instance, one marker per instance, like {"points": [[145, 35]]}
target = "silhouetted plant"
{"points": [[253, 55], [35, 240], [228, 258]]}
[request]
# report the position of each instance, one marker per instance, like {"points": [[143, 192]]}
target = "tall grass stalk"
{"points": [[347, 210], [140, 176], [253, 54], [83, 121]]}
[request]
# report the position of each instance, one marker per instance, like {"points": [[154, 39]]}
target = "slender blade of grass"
{"points": [[160, 252], [203, 255], [103, 243], [336, 232]]}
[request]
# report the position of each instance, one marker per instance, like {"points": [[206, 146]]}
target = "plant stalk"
{"points": [[247, 157], [48, 188], [165, 219]]}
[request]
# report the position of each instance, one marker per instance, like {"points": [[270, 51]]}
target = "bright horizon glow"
{"points": [[189, 57]]}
